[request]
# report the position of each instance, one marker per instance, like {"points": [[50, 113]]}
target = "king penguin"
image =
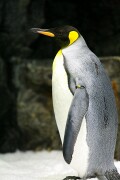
{"points": [[84, 106]]}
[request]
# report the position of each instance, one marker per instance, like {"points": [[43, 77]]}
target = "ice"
{"points": [[42, 165]]}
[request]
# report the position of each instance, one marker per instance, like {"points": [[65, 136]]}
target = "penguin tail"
{"points": [[112, 175]]}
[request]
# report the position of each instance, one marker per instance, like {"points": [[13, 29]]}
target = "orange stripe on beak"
{"points": [[46, 33]]}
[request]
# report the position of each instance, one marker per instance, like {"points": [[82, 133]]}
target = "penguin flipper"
{"points": [[76, 114]]}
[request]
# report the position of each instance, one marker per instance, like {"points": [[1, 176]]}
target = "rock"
{"points": [[16, 19], [9, 131], [34, 105]]}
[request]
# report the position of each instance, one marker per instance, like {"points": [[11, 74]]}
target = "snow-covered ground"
{"points": [[36, 166]]}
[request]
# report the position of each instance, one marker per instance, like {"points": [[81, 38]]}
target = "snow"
{"points": [[42, 165]]}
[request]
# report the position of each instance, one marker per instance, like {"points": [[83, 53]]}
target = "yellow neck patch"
{"points": [[58, 58], [73, 36]]}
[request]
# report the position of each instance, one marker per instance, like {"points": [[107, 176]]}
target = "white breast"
{"points": [[62, 98], [81, 151]]}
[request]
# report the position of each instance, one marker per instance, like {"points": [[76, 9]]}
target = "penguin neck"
{"points": [[78, 45]]}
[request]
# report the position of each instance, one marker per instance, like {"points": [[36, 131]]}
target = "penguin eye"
{"points": [[60, 33]]}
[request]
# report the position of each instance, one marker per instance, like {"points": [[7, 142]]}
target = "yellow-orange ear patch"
{"points": [[73, 36]]}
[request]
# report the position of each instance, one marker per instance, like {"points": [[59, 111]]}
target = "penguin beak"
{"points": [[45, 32]]}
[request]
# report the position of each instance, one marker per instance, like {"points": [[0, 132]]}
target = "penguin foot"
{"points": [[112, 175], [72, 178]]}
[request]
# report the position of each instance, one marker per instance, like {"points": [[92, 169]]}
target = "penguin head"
{"points": [[65, 35]]}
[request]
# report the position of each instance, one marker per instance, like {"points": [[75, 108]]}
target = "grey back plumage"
{"points": [[83, 66]]}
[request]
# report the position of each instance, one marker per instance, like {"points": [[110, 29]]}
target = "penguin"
{"points": [[84, 106]]}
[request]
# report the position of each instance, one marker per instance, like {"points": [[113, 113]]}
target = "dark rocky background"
{"points": [[26, 113]]}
